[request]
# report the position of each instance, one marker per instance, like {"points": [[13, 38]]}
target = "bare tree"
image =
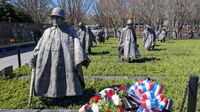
{"points": [[76, 10], [150, 12], [197, 16], [112, 16], [38, 9], [178, 12], [107, 13], [193, 18]]}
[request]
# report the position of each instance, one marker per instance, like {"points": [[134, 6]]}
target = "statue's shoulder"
{"points": [[125, 29], [72, 32], [145, 31], [48, 30]]}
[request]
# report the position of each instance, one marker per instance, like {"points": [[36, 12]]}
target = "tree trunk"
{"points": [[115, 32], [198, 27], [178, 27]]}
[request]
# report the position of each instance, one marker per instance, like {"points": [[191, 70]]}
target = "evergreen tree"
{"points": [[11, 13]]}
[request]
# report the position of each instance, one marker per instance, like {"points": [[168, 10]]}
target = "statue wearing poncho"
{"points": [[100, 35], [162, 36], [58, 60], [149, 38], [128, 42], [86, 37]]}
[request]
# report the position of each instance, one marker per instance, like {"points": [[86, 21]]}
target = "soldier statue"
{"points": [[128, 47], [57, 61], [149, 38], [86, 37]]}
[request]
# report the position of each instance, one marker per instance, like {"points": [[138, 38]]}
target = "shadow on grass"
{"points": [[96, 46], [145, 59], [158, 45], [115, 47], [11, 76], [64, 102], [168, 42], [159, 49], [69, 100], [99, 53]]}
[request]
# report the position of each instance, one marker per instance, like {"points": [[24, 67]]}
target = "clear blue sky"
{"points": [[91, 8]]}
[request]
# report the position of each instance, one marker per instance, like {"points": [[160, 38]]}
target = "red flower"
{"points": [[122, 88], [121, 109], [95, 98], [108, 110], [111, 93]]}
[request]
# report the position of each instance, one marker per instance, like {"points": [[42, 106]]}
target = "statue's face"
{"points": [[57, 21], [130, 25], [82, 26]]}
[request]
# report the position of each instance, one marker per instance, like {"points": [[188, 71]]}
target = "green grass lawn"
{"points": [[174, 61]]}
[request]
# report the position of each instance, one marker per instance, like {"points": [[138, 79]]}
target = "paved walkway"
{"points": [[9, 58]]}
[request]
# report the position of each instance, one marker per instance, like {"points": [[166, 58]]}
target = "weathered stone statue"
{"points": [[163, 34], [106, 33], [174, 35], [190, 34], [128, 47], [149, 38], [86, 36], [100, 34], [118, 34], [91, 35], [57, 60]]}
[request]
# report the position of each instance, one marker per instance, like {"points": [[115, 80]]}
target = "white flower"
{"points": [[82, 109], [116, 99], [100, 102], [95, 107]]}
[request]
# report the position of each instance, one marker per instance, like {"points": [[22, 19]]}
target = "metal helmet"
{"points": [[129, 22], [58, 12], [164, 28]]}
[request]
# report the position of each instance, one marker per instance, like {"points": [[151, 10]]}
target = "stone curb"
{"points": [[114, 77], [124, 77]]}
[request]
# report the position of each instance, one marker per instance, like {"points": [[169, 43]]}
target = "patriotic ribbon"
{"points": [[148, 95]]}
